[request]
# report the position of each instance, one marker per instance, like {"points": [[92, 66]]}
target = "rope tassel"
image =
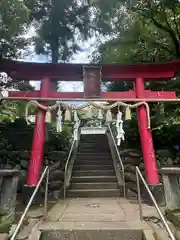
{"points": [[100, 114], [108, 116], [119, 116], [67, 117], [76, 116], [48, 116], [89, 113], [128, 115], [119, 128], [59, 121]]}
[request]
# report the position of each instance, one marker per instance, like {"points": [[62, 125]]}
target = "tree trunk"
{"points": [[54, 83]]}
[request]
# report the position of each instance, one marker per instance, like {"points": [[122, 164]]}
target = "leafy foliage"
{"points": [[59, 141], [11, 110], [14, 16], [148, 33], [64, 25], [14, 23], [18, 136]]}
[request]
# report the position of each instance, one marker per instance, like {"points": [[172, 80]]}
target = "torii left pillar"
{"points": [[36, 159]]}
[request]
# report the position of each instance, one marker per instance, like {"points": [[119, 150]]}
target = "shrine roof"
{"points": [[74, 72]]}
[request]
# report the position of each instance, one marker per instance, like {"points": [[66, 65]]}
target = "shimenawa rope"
{"points": [[85, 105]]}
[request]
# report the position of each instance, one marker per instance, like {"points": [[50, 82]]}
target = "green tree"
{"points": [[148, 33], [11, 110], [14, 24], [65, 24], [14, 18], [58, 28]]}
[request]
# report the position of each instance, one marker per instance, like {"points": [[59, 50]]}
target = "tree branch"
{"points": [[170, 32], [175, 22], [167, 29]]}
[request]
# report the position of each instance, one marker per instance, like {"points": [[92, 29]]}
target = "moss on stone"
{"points": [[172, 217], [6, 222]]}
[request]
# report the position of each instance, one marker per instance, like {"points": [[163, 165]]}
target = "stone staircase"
{"points": [[93, 172], [94, 209]]}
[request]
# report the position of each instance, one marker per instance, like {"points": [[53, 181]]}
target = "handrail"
{"points": [[139, 174], [45, 173], [67, 162], [120, 160], [66, 166]]}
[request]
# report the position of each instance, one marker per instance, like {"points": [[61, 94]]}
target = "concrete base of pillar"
{"points": [[8, 191], [158, 193], [27, 193], [172, 191]]}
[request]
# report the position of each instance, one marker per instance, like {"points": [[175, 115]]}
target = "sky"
{"points": [[80, 57]]}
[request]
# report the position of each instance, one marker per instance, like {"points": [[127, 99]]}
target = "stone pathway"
{"points": [[71, 218], [96, 213]]}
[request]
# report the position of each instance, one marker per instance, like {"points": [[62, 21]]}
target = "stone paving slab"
{"points": [[55, 213], [3, 236], [93, 225], [94, 209], [91, 218], [100, 210]]}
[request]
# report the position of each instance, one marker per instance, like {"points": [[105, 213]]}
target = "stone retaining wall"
{"points": [[20, 160], [56, 159], [132, 158]]}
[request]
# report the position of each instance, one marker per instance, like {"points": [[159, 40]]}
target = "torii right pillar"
{"points": [[146, 137], [148, 149]]}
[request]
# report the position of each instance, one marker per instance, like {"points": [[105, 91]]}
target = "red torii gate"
{"points": [[91, 76]]}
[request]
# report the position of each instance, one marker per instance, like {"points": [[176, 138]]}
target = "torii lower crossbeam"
{"points": [[125, 96]]}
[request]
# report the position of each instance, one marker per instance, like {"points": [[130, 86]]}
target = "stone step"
{"points": [[94, 173], [84, 143], [94, 150], [91, 179], [101, 146], [100, 143], [95, 141], [54, 185], [124, 230], [91, 140], [94, 144], [78, 167], [94, 193], [93, 159], [56, 175], [93, 162], [96, 230], [93, 155], [93, 136], [95, 185]]}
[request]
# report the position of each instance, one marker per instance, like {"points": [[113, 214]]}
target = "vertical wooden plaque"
{"points": [[92, 81]]}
